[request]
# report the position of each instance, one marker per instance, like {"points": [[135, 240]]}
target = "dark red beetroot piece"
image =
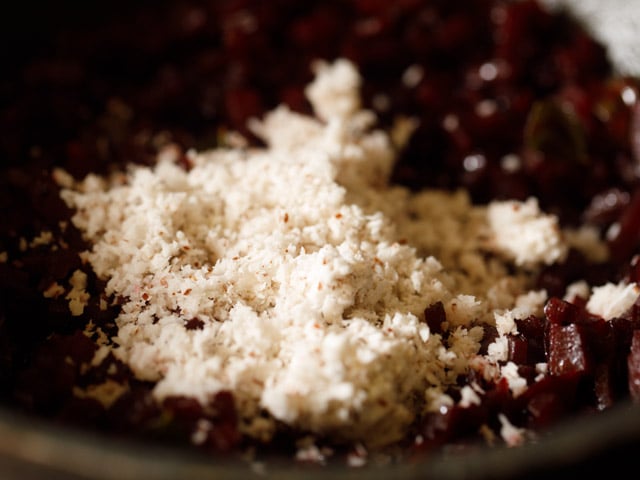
{"points": [[633, 364], [587, 361]]}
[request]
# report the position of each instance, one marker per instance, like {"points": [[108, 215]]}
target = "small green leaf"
{"points": [[555, 132]]}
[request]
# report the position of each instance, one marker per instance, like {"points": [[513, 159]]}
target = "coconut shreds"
{"points": [[309, 273]]}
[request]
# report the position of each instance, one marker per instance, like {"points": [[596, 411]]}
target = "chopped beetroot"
{"points": [[457, 422], [568, 354], [528, 372], [215, 424], [532, 329], [437, 428], [633, 314], [518, 349], [223, 436], [633, 363], [622, 330], [548, 399], [555, 278], [136, 409], [600, 336], [635, 131], [499, 399], [604, 388], [625, 241], [545, 408], [194, 324], [435, 316], [607, 206], [185, 408], [634, 270], [490, 334], [442, 427], [560, 312]]}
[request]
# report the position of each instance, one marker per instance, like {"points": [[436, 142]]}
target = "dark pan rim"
{"points": [[31, 448]]}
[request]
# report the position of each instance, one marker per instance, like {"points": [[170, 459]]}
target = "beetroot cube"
{"points": [[518, 352], [559, 311], [567, 350], [435, 316], [603, 387], [633, 363]]}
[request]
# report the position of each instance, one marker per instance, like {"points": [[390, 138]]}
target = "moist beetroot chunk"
{"points": [[435, 315], [633, 363], [532, 330], [567, 350], [560, 312], [549, 399]]}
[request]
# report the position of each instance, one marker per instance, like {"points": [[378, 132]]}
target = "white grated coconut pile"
{"points": [[309, 273]]}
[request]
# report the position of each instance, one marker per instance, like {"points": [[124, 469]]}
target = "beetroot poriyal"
{"points": [[335, 231]]}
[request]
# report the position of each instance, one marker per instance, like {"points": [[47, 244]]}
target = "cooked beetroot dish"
{"points": [[334, 231]]}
